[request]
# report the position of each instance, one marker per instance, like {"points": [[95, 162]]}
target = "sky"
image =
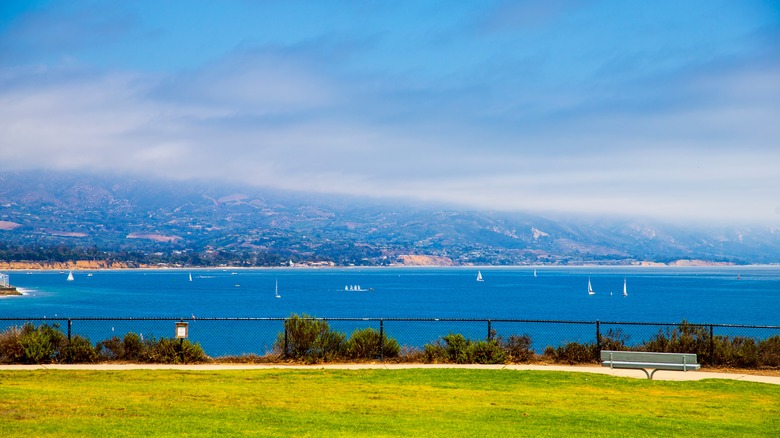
{"points": [[662, 109]]}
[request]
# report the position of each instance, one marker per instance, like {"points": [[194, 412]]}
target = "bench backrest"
{"points": [[646, 357]]}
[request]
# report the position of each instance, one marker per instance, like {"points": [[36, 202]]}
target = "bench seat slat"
{"points": [[642, 356], [653, 365]]}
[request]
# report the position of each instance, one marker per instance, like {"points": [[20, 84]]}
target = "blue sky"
{"points": [[663, 109]]}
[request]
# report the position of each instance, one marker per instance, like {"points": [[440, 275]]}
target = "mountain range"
{"points": [[45, 215]]}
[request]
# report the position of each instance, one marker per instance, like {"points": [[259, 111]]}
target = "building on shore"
{"points": [[5, 286]]}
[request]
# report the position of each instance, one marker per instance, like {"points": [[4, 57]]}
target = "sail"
{"points": [[190, 276], [277, 289], [590, 288], [625, 292], [479, 276], [70, 276]]}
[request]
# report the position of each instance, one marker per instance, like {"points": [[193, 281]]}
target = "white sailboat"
{"points": [[277, 289], [590, 288], [70, 276], [625, 292], [534, 273], [190, 276], [479, 276]]}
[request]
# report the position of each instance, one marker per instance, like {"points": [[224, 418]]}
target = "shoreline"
{"points": [[24, 267], [83, 267]]}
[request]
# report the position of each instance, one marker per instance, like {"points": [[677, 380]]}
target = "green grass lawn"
{"points": [[415, 402]]}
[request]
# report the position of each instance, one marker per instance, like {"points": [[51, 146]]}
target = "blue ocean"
{"points": [[723, 295]]}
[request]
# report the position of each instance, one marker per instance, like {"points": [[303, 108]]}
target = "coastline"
{"points": [[18, 267]]}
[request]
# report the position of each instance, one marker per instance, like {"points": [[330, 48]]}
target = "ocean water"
{"points": [[733, 295]]}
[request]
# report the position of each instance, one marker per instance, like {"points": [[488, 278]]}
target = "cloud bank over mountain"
{"points": [[662, 110]]}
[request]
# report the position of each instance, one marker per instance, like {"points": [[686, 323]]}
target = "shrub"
{"points": [[572, 353], [133, 348], [411, 355], [80, 350], [769, 352], [10, 345], [685, 338], [455, 348], [166, 350], [489, 352], [111, 349], [614, 340], [310, 339], [743, 352], [44, 344], [364, 344], [517, 348]]}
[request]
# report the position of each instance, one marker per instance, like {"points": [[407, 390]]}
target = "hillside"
{"points": [[67, 216]]}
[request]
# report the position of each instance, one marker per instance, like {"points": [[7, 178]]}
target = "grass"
{"points": [[415, 402]]}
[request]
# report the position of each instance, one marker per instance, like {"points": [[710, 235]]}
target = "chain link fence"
{"points": [[716, 344]]}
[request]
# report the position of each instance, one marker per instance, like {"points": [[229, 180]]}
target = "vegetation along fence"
{"points": [[435, 340]]}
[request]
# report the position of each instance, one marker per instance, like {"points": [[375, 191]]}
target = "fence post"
{"points": [[284, 353], [712, 346], [490, 335], [598, 336], [381, 340], [70, 326]]}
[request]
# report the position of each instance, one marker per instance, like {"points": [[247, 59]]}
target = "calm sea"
{"points": [[743, 295]]}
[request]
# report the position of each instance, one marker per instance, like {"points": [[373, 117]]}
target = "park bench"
{"points": [[642, 360]]}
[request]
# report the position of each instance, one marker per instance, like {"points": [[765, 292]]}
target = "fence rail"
{"points": [[220, 337]]}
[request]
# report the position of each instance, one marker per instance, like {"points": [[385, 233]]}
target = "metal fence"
{"points": [[220, 337]]}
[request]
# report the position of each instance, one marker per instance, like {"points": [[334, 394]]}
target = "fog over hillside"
{"points": [[198, 223]]}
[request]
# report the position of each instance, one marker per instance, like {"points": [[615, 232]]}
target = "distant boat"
{"points": [[356, 288], [625, 292], [70, 276], [479, 276], [89, 275], [277, 289], [534, 273], [190, 276], [590, 288]]}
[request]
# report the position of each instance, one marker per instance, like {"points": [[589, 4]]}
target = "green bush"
{"points": [[455, 348], [133, 348], [111, 349], [517, 348], [310, 339], [80, 350], [364, 344], [737, 352], [769, 352], [10, 346], [44, 344], [685, 338], [614, 340], [488, 352], [572, 353], [167, 350]]}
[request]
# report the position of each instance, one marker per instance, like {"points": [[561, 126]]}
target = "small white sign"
{"points": [[181, 330]]}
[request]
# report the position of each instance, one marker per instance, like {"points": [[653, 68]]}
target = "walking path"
{"points": [[660, 375]]}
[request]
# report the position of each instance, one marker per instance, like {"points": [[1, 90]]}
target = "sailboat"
{"points": [[70, 276], [590, 288], [625, 292], [277, 289], [534, 273], [190, 276], [479, 276]]}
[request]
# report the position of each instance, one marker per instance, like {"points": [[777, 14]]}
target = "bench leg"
{"points": [[649, 375]]}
